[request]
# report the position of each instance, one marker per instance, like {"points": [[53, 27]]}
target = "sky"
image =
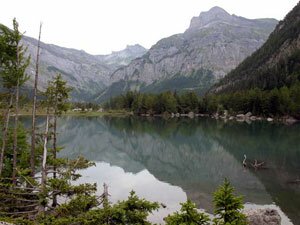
{"points": [[103, 26]]}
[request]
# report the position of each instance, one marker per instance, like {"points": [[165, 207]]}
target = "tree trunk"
{"points": [[5, 131], [32, 153], [44, 162], [15, 142], [45, 152], [54, 204]]}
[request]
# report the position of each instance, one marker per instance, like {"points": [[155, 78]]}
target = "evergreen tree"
{"points": [[12, 72], [188, 215], [227, 206]]}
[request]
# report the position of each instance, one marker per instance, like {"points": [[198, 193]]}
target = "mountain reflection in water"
{"points": [[171, 160]]}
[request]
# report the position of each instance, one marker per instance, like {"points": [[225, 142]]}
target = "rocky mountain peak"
{"points": [[135, 49], [215, 14]]}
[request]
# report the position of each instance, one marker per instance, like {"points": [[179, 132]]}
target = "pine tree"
{"points": [[188, 215], [57, 95], [13, 65], [227, 206]]}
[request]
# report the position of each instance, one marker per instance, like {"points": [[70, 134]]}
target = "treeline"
{"points": [[276, 102]]}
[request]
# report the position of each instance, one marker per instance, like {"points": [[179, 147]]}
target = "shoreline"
{"points": [[248, 117]]}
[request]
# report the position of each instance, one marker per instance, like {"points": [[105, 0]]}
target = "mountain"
{"points": [[123, 57], [86, 74], [275, 64], [214, 44]]}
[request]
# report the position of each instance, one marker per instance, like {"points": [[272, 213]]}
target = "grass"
{"points": [[42, 112]]}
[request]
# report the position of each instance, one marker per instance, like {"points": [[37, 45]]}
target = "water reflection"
{"points": [[194, 155]]}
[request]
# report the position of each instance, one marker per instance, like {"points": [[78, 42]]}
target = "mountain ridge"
{"points": [[85, 73]]}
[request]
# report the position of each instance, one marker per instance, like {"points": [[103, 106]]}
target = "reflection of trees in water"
{"points": [[276, 144], [195, 154]]}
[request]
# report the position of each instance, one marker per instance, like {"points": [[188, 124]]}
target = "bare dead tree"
{"points": [[45, 152], [33, 139], [54, 204]]}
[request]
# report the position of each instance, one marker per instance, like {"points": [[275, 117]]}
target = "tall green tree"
{"points": [[13, 65], [57, 95]]}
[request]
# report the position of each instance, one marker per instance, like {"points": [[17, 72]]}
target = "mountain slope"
{"points": [[215, 43], [275, 64], [86, 74]]}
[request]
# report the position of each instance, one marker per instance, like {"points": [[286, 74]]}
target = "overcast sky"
{"points": [[102, 26]]}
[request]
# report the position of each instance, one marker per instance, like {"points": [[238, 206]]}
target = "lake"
{"points": [[171, 160]]}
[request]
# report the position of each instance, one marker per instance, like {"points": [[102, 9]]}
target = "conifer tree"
{"points": [[13, 65], [227, 206], [188, 215]]}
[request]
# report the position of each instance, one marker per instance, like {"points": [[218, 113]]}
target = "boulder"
{"points": [[226, 113], [290, 120], [253, 118], [191, 114], [248, 114], [231, 117], [269, 119], [263, 217], [177, 115], [240, 116]]}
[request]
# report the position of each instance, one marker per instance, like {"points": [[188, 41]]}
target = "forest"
{"points": [[284, 101]]}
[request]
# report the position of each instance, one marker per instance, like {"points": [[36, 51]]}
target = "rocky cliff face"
{"points": [[214, 44], [273, 65], [86, 74]]}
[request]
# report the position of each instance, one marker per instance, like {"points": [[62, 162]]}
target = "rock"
{"points": [[231, 117], [226, 113], [253, 118], [191, 114], [269, 119], [177, 115], [216, 115], [172, 115], [240, 116], [263, 217], [248, 114], [290, 120]]}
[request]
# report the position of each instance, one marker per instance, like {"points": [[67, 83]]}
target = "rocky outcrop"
{"points": [[263, 217], [214, 44]]}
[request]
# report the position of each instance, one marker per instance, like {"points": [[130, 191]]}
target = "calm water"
{"points": [[172, 160]]}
